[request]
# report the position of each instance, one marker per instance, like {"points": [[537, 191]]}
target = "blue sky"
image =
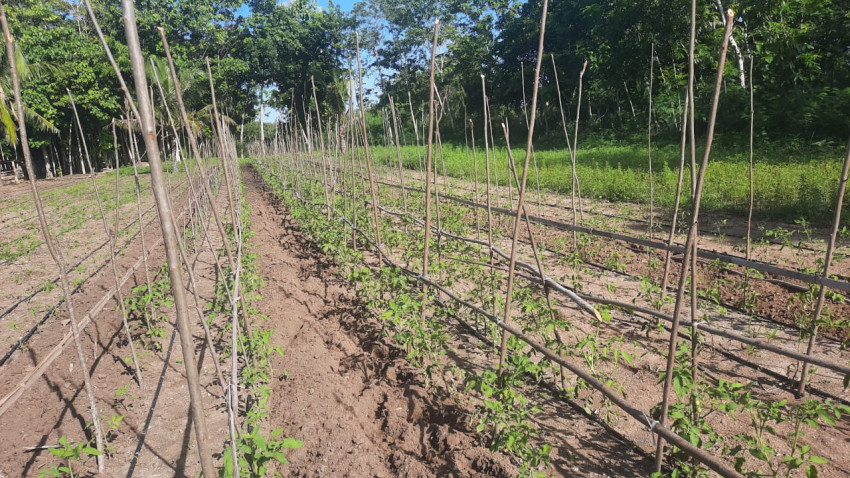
{"points": [[345, 5]]}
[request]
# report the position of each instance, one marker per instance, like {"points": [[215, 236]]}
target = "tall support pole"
{"points": [[111, 239], [487, 191], [193, 145], [429, 156], [169, 235], [222, 147], [842, 187], [752, 179], [397, 138], [372, 188], [690, 244], [569, 145], [521, 199], [322, 146], [55, 252], [649, 145]]}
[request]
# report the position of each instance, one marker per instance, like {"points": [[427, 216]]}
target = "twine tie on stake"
{"points": [[696, 325], [651, 424]]}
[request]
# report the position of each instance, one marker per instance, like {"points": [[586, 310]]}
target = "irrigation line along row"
{"points": [[704, 457], [674, 248], [658, 224], [80, 262], [671, 247], [25, 338], [582, 300]]}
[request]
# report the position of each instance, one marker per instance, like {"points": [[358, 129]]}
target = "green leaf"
{"points": [[811, 472], [92, 451], [292, 443], [759, 454]]}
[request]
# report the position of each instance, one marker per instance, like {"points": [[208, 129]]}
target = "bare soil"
{"points": [[56, 404]]}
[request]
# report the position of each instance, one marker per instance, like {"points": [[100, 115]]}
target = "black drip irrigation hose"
{"points": [[674, 248], [556, 392], [609, 215]]}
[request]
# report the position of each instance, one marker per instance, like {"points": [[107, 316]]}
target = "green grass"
{"points": [[790, 183]]}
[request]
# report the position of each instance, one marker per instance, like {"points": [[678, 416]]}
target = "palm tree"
{"points": [[8, 115]]}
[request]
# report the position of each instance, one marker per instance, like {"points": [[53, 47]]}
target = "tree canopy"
{"points": [[268, 50]]}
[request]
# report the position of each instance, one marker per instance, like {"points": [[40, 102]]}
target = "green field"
{"points": [[790, 184]]}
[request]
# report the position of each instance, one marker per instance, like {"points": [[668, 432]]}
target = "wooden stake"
{"points": [[372, 187], [690, 245], [752, 188], [429, 156], [521, 200], [649, 144], [111, 239], [169, 235]]}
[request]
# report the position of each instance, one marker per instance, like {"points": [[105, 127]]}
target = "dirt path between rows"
{"points": [[349, 395]]}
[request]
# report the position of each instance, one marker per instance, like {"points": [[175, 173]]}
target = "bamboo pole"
{"points": [[752, 185], [649, 144], [415, 130], [55, 252], [489, 204], [690, 245], [569, 146], [668, 253], [322, 146], [221, 144], [521, 199], [533, 156], [372, 187], [169, 235], [398, 153], [119, 296], [193, 145], [576, 189], [429, 157], [475, 170], [830, 249], [138, 208]]}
